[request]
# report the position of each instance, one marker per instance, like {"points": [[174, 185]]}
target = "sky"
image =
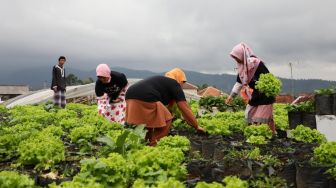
{"points": [[158, 35]]}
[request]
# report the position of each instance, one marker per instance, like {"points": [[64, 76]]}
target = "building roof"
{"points": [[284, 99], [210, 91], [188, 85], [13, 89]]}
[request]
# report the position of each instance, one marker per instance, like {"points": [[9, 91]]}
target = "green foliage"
{"points": [[70, 123], [112, 171], [181, 124], [194, 107], [265, 181], [235, 120], [52, 131], [3, 109], [87, 132], [100, 122], [307, 135], [307, 106], [176, 112], [11, 179], [208, 185], [72, 79], [332, 172], [66, 114], [280, 116], [29, 114], [234, 182], [325, 154], [265, 161], [258, 130], [84, 136], [158, 164], [76, 183], [11, 136], [170, 183], [271, 161], [180, 142], [215, 126], [256, 140], [104, 128], [269, 85], [139, 183], [223, 123], [219, 102], [120, 141], [325, 91], [254, 154], [43, 150], [3, 115]]}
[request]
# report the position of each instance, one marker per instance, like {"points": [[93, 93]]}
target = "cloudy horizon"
{"points": [[157, 35]]}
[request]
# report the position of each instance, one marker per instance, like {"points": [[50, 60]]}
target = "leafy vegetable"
{"points": [[269, 85], [234, 182], [179, 142], [10, 179], [307, 135]]}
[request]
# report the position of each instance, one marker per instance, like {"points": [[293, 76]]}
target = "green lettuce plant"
{"points": [[234, 182], [180, 142], [11, 179], [158, 164], [269, 85], [43, 151], [307, 135], [258, 130], [113, 171], [325, 154]]}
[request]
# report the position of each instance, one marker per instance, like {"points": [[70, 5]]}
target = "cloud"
{"points": [[160, 34]]}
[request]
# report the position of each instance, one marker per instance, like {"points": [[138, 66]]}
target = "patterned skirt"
{"points": [[114, 112], [260, 114]]}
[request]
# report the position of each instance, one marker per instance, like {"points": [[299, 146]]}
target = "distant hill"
{"points": [[38, 78]]}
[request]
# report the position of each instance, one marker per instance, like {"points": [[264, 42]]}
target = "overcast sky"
{"points": [[158, 35]]}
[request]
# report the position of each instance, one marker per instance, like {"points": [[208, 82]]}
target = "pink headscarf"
{"points": [[250, 63], [103, 70]]}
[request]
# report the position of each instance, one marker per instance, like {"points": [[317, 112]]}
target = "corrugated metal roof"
{"points": [[13, 89], [35, 97]]}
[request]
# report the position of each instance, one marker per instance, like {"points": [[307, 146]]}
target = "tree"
{"points": [[203, 86], [87, 80], [72, 79]]}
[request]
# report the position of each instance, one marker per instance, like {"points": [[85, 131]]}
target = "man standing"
{"points": [[58, 84]]}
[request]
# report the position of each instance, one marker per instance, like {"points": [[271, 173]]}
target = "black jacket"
{"points": [[258, 98], [114, 87], [58, 78]]}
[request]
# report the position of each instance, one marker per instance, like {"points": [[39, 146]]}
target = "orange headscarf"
{"points": [[177, 74]]}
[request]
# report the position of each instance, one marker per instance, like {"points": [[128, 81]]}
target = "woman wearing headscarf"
{"points": [[260, 107], [110, 89], [147, 100]]}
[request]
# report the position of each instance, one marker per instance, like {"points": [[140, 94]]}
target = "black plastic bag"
{"points": [[323, 104]]}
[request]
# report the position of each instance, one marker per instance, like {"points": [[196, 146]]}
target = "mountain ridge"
{"points": [[42, 79]]}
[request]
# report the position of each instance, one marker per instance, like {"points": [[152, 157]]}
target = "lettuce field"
{"points": [[43, 146]]}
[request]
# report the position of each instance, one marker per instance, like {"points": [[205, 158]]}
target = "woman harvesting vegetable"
{"points": [[260, 107], [110, 89], [146, 104]]}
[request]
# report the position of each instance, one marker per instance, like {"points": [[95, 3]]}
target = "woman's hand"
{"points": [[116, 100], [228, 100], [200, 130]]}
